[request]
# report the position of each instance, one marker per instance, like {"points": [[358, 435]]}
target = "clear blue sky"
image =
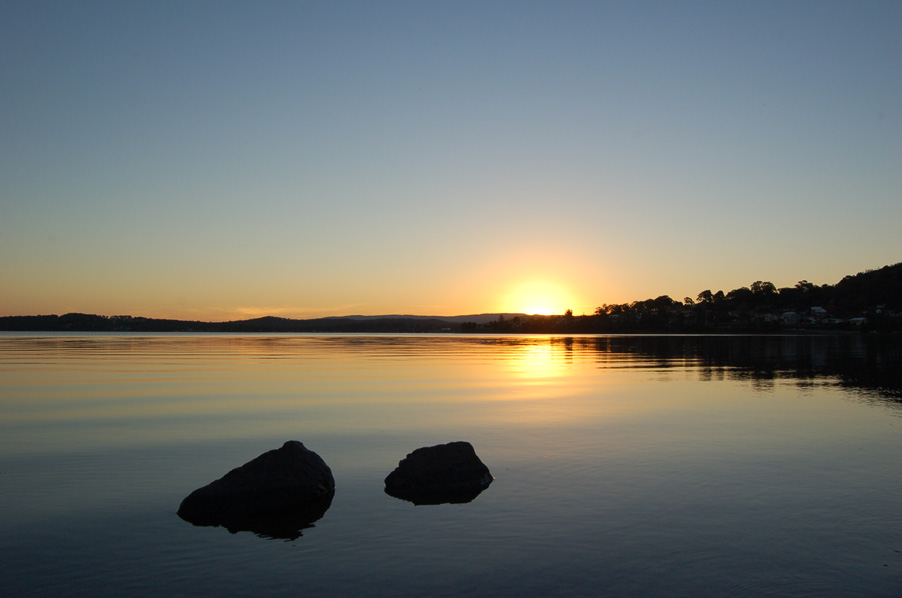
{"points": [[220, 160]]}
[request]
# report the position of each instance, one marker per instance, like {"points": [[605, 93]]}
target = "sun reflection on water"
{"points": [[538, 362]]}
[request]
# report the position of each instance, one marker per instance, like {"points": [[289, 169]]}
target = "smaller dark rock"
{"points": [[276, 495], [445, 473]]}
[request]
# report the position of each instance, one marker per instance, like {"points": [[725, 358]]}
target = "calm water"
{"points": [[624, 466]]}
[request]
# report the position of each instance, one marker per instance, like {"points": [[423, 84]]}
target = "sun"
{"points": [[539, 298]]}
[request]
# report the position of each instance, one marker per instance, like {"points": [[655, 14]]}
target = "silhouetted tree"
{"points": [[742, 295], [661, 304], [763, 289]]}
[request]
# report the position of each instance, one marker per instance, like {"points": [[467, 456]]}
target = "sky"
{"points": [[228, 160]]}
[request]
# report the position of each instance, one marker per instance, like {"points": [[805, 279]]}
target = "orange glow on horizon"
{"points": [[539, 298]]}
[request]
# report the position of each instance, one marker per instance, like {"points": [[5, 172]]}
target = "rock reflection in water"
{"points": [[284, 525], [439, 498]]}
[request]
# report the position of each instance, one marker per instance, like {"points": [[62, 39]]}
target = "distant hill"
{"points": [[477, 318], [77, 322]]}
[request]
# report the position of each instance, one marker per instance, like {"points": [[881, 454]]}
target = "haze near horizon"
{"points": [[220, 161]]}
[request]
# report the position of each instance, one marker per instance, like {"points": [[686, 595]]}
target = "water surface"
{"points": [[649, 465]]}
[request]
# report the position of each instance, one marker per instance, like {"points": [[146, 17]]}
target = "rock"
{"points": [[445, 473], [277, 494]]}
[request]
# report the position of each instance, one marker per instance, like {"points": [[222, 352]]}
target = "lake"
{"points": [[624, 466]]}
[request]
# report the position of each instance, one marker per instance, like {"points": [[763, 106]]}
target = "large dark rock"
{"points": [[445, 473], [277, 494]]}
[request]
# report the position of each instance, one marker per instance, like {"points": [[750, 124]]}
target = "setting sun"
{"points": [[539, 298]]}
